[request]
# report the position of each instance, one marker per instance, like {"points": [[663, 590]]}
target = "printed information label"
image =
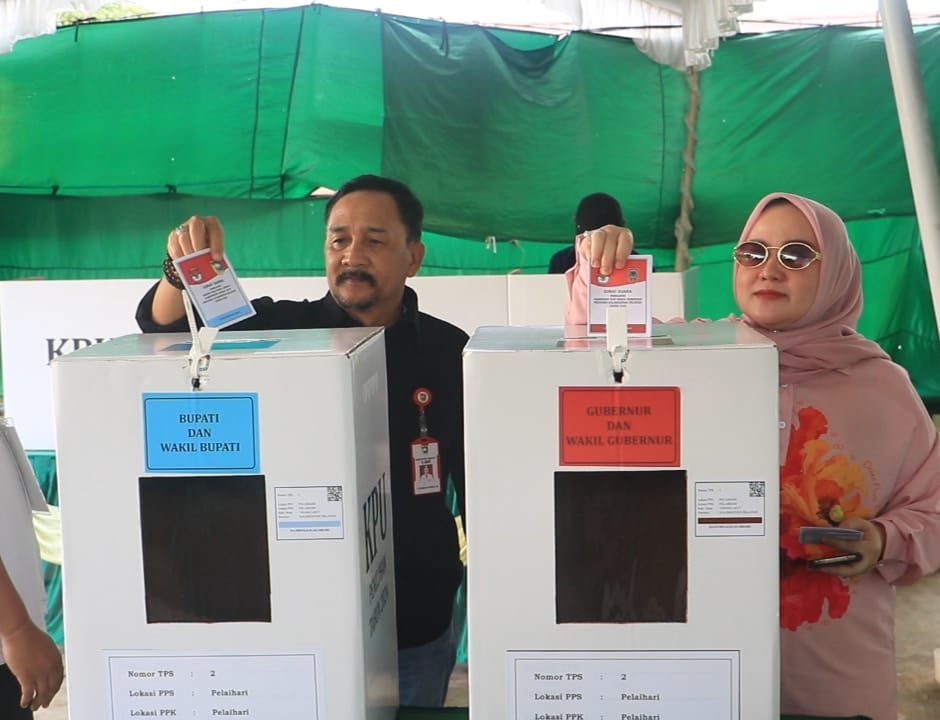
{"points": [[619, 426], [309, 513], [199, 687], [201, 432], [730, 509], [624, 685]]}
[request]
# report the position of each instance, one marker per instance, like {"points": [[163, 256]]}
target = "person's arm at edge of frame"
{"points": [[29, 652], [195, 234], [458, 469]]}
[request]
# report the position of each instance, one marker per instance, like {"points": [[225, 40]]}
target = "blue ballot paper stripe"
{"points": [[201, 432], [223, 345], [308, 523], [227, 317]]}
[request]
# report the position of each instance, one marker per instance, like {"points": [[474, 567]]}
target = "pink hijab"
{"points": [[825, 338]]}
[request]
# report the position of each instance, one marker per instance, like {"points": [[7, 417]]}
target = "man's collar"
{"points": [[409, 308]]}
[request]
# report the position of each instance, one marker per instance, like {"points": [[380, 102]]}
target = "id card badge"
{"points": [[425, 466]]}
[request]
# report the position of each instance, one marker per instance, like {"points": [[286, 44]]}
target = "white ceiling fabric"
{"points": [[21, 19], [683, 32], [680, 33]]}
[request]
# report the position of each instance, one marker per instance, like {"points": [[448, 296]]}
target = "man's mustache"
{"points": [[360, 275]]}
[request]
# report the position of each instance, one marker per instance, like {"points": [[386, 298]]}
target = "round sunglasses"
{"points": [[792, 255]]}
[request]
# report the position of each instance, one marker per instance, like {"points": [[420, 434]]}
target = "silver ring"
{"points": [[181, 228]]}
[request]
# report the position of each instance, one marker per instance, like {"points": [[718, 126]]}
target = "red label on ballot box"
{"points": [[619, 426]]}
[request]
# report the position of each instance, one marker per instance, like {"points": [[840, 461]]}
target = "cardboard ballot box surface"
{"points": [[622, 536], [228, 551]]}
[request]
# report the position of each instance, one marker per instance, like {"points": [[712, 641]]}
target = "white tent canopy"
{"points": [[22, 19], [680, 33]]}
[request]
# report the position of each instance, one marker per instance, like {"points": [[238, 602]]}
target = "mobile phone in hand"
{"points": [[815, 535], [847, 559]]}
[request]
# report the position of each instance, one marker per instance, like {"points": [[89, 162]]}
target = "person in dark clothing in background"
{"points": [[373, 245], [594, 211]]}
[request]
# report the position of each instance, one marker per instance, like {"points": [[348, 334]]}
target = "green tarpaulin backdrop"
{"points": [[111, 134]]}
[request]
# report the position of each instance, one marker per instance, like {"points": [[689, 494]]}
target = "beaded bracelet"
{"points": [[169, 272]]}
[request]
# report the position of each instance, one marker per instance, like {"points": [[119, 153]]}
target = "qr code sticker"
{"points": [[756, 489], [334, 493]]}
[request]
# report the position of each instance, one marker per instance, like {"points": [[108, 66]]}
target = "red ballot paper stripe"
{"points": [[731, 521], [633, 328], [200, 269], [619, 427]]}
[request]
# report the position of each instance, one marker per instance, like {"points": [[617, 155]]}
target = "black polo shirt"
{"points": [[420, 351]]}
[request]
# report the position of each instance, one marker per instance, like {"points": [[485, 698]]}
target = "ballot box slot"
{"points": [[621, 553], [204, 542]]}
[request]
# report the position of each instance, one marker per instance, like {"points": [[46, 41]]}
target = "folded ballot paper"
{"points": [[214, 288]]}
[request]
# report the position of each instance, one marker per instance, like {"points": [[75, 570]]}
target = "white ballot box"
{"points": [[228, 549], [622, 528]]}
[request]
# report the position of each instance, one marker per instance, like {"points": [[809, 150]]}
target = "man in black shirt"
{"points": [[594, 211], [373, 245]]}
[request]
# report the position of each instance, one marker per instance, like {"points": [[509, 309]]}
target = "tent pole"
{"points": [[683, 227], [916, 134]]}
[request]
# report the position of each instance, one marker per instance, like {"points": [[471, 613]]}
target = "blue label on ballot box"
{"points": [[201, 432], [224, 344]]}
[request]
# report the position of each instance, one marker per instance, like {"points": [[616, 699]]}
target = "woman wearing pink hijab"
{"points": [[858, 450]]}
